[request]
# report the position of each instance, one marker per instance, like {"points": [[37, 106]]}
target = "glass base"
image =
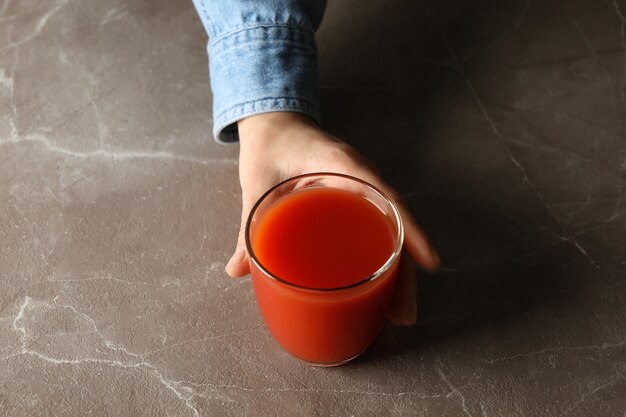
{"points": [[330, 364]]}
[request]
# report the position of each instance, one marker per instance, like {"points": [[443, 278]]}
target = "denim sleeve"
{"points": [[262, 58]]}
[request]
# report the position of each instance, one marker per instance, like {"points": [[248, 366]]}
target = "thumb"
{"points": [[238, 265]]}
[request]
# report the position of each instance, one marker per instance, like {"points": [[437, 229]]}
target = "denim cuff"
{"points": [[259, 69]]}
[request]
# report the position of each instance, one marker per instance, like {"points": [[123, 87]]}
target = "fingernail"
{"points": [[236, 258]]}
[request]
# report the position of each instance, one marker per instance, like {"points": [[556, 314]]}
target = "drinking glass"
{"points": [[325, 326]]}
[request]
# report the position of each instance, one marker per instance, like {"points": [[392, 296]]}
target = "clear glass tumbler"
{"points": [[325, 326]]}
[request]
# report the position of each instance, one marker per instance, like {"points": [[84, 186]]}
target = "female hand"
{"points": [[277, 146]]}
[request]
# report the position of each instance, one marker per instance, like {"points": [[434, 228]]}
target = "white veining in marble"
{"points": [[502, 126]]}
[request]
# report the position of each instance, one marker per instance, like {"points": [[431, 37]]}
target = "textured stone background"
{"points": [[502, 122]]}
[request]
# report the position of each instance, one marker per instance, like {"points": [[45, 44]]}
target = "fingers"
{"points": [[238, 266], [403, 310], [416, 242]]}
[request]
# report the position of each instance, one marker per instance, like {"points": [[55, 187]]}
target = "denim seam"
{"points": [[306, 42], [276, 98], [297, 28], [295, 46], [232, 114]]}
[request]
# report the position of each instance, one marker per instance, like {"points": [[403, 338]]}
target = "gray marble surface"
{"points": [[502, 123]]}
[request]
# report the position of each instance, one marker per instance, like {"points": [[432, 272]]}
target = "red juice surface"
{"points": [[323, 238]]}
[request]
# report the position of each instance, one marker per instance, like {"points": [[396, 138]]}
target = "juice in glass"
{"points": [[324, 251]]}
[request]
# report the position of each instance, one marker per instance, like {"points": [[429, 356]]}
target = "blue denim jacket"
{"points": [[262, 58]]}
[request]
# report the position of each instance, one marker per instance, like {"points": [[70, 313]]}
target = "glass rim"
{"points": [[379, 272]]}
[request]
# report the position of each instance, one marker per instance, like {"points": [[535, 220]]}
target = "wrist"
{"points": [[264, 127]]}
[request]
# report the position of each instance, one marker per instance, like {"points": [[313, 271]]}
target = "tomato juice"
{"points": [[323, 268]]}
